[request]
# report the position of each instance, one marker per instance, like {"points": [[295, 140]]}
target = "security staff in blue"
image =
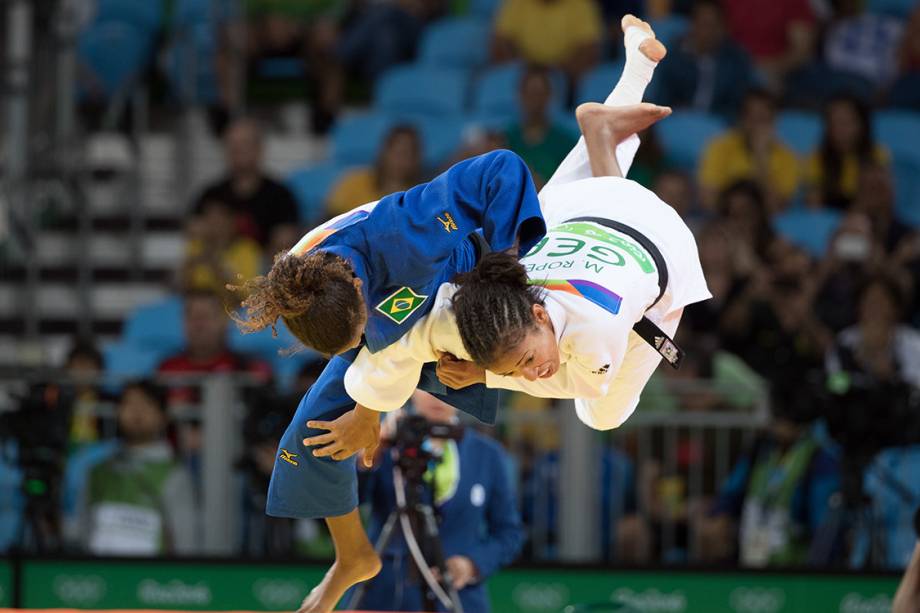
{"points": [[478, 518], [363, 279]]}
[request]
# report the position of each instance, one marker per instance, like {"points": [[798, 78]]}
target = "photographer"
{"points": [[477, 517]]}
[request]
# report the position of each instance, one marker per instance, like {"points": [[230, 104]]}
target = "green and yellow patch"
{"points": [[401, 304]]}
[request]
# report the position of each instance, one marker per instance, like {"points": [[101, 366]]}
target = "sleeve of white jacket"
{"points": [[383, 381], [626, 388]]}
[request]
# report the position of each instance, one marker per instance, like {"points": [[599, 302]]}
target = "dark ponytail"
{"points": [[494, 306], [314, 294]]}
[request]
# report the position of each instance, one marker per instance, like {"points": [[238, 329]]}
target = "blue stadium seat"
{"points": [[156, 327], [900, 132], [146, 15], [125, 360], [357, 138], [800, 130], [456, 42], [670, 29], [496, 91], [907, 190], [441, 138], [115, 54], [189, 65], [898, 8], [422, 90], [685, 134], [484, 8], [311, 185], [194, 12], [810, 229], [261, 344], [597, 84]]}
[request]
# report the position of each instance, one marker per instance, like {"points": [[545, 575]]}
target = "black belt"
{"points": [[645, 327]]}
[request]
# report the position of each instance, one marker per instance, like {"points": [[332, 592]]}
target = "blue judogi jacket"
{"points": [[418, 239]]}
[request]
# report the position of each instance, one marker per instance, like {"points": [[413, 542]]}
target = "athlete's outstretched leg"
{"points": [[605, 127], [355, 561], [643, 52]]}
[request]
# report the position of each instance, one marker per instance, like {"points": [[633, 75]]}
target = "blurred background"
{"points": [[154, 151]]}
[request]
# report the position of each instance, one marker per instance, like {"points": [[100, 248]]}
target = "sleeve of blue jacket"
{"points": [[506, 536], [493, 192]]}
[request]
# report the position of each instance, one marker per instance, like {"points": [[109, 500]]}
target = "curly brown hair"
{"points": [[317, 295]]}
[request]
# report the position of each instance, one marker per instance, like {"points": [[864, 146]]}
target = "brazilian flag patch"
{"points": [[400, 304]]}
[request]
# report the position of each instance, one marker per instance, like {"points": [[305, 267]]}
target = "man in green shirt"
{"points": [[542, 143]]}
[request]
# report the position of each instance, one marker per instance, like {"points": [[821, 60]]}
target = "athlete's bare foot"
{"points": [[651, 48], [324, 597], [617, 123]]}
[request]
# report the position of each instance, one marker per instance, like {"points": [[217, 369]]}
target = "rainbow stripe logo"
{"points": [[317, 235], [599, 295]]}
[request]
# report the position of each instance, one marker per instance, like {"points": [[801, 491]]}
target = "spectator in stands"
{"points": [[537, 138], [907, 256], [215, 252], [264, 207], [863, 43], [743, 207], [770, 323], [304, 31], [650, 160], [707, 71], [832, 173], [478, 518], [875, 199], [779, 34], [853, 256], [478, 139], [751, 150], [206, 348], [774, 500], [384, 34], [906, 90], [398, 167], [678, 189], [879, 346], [84, 365], [563, 34], [140, 501]]}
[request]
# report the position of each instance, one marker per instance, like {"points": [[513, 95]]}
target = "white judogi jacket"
{"points": [[600, 283]]}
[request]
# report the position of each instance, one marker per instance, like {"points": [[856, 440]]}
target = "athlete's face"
{"points": [[536, 356]]}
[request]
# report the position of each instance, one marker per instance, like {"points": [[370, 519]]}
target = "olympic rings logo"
{"points": [[281, 594], [757, 600], [79, 589]]}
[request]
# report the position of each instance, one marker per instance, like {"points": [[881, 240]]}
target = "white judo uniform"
{"points": [[599, 282]]}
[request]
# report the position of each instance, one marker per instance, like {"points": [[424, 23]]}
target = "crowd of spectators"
{"points": [[836, 292]]}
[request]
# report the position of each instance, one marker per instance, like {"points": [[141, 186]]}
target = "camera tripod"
{"points": [[419, 526]]}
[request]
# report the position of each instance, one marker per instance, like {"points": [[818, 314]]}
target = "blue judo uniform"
{"points": [[403, 249], [480, 521]]}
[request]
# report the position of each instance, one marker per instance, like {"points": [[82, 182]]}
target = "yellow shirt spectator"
{"points": [[848, 182], [243, 257], [549, 32], [727, 160], [355, 188]]}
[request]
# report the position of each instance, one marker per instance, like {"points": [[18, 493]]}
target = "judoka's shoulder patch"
{"points": [[401, 304]]}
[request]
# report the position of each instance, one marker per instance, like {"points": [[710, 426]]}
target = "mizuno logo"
{"points": [[290, 458], [448, 222]]}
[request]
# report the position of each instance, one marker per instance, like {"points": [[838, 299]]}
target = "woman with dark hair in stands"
{"points": [[833, 171], [397, 168]]}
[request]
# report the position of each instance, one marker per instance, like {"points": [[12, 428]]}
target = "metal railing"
{"points": [[565, 516]]}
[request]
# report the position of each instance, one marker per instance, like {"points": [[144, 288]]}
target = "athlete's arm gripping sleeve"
{"points": [[415, 232]]}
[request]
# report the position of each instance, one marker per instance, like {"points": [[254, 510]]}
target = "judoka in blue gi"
{"points": [[478, 518], [363, 279]]}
